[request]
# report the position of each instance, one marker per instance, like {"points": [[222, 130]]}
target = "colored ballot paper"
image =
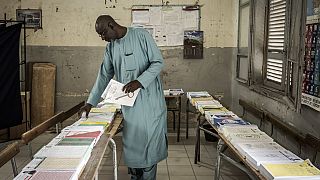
{"points": [[299, 170], [114, 94], [53, 175]]}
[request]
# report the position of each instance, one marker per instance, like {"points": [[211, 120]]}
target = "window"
{"points": [[243, 41], [271, 48], [274, 67]]}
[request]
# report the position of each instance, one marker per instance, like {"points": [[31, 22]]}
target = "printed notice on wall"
{"points": [[166, 24], [311, 101]]}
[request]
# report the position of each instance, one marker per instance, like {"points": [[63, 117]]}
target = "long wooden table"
{"points": [[222, 145], [91, 169]]}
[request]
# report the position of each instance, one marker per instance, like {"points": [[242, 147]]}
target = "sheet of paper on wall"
{"points": [[189, 20], [114, 94], [160, 36], [171, 14], [140, 16], [155, 15]]}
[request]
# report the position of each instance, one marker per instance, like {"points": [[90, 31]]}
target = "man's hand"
{"points": [[87, 107], [131, 86]]}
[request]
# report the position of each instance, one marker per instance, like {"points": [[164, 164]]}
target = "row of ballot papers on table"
{"points": [[261, 151], [65, 156]]}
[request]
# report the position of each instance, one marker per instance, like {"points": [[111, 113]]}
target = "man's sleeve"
{"points": [[105, 74], [154, 57]]}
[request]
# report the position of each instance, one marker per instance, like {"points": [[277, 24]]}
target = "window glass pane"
{"points": [[243, 67], [244, 27]]}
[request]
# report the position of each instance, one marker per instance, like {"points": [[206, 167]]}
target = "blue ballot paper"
{"points": [[223, 119]]}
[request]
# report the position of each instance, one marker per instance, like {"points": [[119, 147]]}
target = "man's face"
{"points": [[107, 34]]}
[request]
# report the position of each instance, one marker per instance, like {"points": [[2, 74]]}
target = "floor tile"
{"points": [[162, 170], [203, 169], [163, 177], [178, 161], [182, 178], [176, 147], [204, 177], [180, 170], [177, 153]]}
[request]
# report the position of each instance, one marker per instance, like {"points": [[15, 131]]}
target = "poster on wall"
{"points": [[193, 45], [32, 17], [166, 24], [311, 69]]}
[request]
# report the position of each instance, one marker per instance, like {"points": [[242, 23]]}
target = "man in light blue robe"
{"points": [[134, 59]]}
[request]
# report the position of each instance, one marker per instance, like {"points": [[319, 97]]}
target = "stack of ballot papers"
{"points": [[66, 155], [246, 148], [176, 92], [198, 94], [205, 109], [47, 175], [225, 118], [104, 106], [211, 103], [303, 170], [235, 129], [195, 100], [272, 156]]}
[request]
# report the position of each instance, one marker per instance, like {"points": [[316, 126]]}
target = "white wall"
{"points": [[71, 22]]}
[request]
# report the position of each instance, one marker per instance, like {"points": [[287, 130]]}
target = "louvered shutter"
{"points": [[276, 38]]}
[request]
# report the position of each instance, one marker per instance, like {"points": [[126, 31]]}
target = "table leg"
{"points": [[179, 120], [199, 125], [115, 165], [217, 171], [187, 119], [197, 146]]}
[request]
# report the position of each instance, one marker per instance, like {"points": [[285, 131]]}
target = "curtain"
{"points": [[10, 98]]}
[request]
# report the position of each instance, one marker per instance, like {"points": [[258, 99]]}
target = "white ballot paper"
{"points": [[114, 94]]}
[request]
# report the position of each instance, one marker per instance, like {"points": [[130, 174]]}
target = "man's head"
{"points": [[107, 28]]}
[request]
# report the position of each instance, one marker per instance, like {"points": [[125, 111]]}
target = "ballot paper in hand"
{"points": [[114, 94]]}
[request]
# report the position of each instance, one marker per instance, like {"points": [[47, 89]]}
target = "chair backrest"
{"points": [[9, 152], [39, 129]]}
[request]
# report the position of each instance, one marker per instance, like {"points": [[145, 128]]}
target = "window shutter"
{"points": [[276, 38]]}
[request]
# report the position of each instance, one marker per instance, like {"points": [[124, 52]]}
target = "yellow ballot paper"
{"points": [[304, 170]]}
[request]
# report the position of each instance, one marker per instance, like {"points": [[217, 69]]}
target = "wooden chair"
{"points": [[28, 136], [8, 154]]}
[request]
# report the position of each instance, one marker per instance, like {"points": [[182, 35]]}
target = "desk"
{"points": [[222, 145], [173, 109], [91, 169]]}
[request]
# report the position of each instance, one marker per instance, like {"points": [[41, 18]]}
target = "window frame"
{"points": [[257, 66], [246, 54]]}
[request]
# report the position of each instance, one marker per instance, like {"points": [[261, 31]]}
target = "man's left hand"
{"points": [[131, 86]]}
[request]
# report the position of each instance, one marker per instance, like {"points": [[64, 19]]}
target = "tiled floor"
{"points": [[178, 166]]}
